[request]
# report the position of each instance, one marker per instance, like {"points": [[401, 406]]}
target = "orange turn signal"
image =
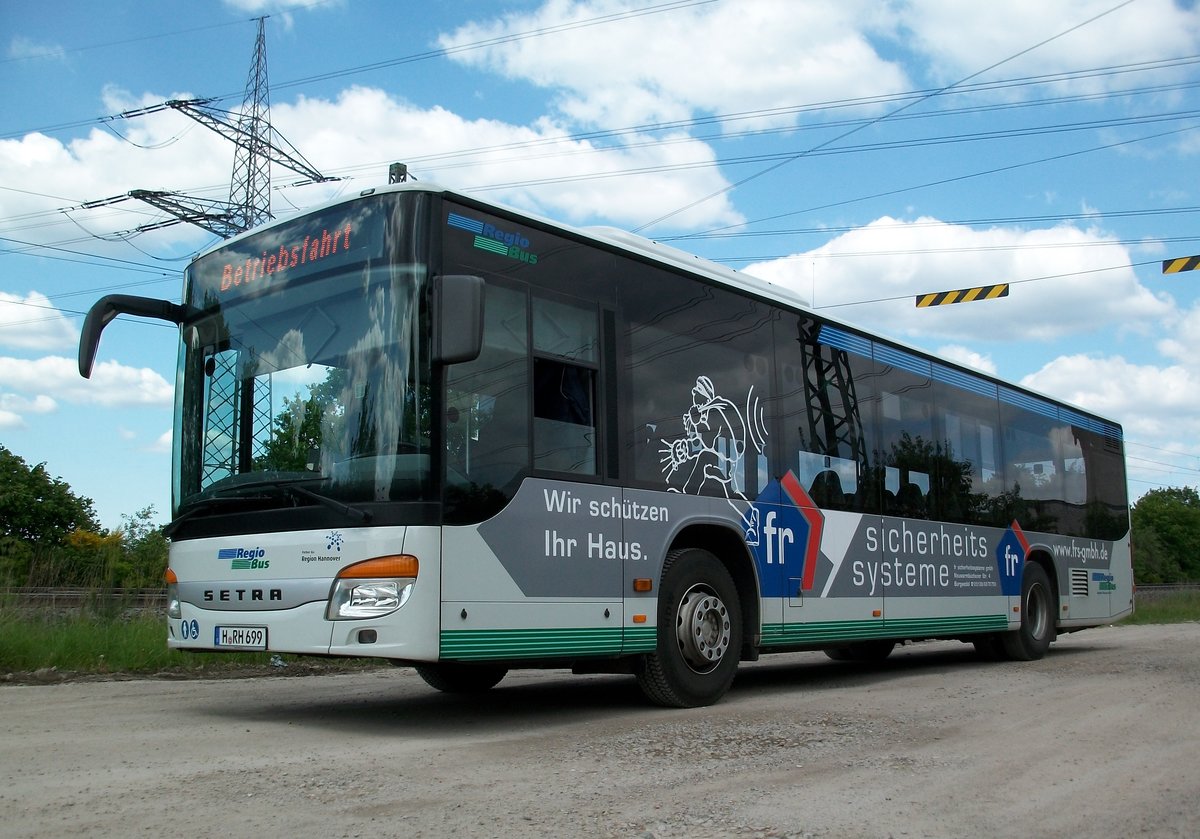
{"points": [[643, 584], [169, 578], [639, 618], [399, 565]]}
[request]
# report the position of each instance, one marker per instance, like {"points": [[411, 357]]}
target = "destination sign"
{"points": [[289, 252]]}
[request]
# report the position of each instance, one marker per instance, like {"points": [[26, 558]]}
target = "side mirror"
{"points": [[457, 318], [107, 308]]}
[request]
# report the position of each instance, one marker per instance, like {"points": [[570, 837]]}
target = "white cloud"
{"points": [[961, 39], [569, 179], [14, 408], [969, 357], [161, 444], [1157, 397], [20, 47], [168, 151], [1053, 271], [713, 58], [111, 385], [32, 322]]}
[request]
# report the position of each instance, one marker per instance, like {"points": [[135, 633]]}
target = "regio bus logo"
{"points": [[488, 237], [245, 559]]}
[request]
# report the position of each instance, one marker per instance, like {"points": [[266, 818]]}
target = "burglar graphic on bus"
{"points": [[712, 450]]}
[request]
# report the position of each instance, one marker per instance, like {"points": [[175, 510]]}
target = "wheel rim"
{"points": [[1036, 611], [702, 629]]}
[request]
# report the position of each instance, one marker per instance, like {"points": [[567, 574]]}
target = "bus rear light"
{"points": [[372, 588]]}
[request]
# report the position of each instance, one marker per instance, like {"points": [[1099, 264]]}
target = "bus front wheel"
{"points": [[451, 677], [1031, 641], [699, 633]]}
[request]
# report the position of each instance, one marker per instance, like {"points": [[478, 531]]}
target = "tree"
{"points": [[144, 549], [297, 430], [1166, 535], [36, 508], [37, 515]]}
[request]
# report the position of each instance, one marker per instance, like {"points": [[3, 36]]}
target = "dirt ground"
{"points": [[1099, 739]]}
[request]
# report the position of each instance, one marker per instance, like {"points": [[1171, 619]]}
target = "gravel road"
{"points": [[1099, 739]]}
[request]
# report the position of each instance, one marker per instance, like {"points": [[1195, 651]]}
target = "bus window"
{"points": [[967, 472], [905, 441], [1034, 463], [564, 387], [699, 373], [827, 406], [487, 412]]}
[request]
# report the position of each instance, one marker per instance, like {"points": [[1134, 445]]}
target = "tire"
{"points": [[863, 651], [451, 677], [699, 633], [1030, 642]]}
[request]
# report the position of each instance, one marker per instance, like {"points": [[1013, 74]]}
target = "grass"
{"points": [[96, 644], [1174, 607], [112, 642]]}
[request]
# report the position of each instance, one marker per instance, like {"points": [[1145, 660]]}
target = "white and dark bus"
{"points": [[416, 426]]}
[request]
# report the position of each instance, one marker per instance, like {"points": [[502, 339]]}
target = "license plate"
{"points": [[241, 637]]}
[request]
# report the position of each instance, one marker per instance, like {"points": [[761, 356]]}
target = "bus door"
{"points": [[535, 570]]}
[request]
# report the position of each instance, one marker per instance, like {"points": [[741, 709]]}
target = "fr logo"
{"points": [[1011, 552]]}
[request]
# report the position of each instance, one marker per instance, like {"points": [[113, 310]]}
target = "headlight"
{"points": [[372, 588], [174, 610]]}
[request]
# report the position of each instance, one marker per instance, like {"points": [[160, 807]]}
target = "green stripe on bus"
{"points": [[467, 644], [780, 634], [640, 639]]}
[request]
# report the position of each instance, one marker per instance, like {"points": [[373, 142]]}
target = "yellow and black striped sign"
{"points": [[1184, 263], [963, 295]]}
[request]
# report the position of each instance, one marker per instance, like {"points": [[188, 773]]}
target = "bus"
{"points": [[417, 426]]}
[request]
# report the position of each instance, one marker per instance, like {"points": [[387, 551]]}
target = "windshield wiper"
{"points": [[195, 508], [332, 503], [286, 487]]}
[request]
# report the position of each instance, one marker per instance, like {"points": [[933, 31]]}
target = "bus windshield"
{"points": [[303, 374]]}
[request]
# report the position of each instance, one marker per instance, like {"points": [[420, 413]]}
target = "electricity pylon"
{"points": [[257, 145]]}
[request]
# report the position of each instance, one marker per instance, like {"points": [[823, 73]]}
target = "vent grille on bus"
{"points": [[1079, 582]]}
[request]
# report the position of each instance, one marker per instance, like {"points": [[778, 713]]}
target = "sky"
{"points": [[861, 152]]}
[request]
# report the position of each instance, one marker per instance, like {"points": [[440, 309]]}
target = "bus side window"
{"points": [[487, 412], [906, 443], [566, 345], [564, 422]]}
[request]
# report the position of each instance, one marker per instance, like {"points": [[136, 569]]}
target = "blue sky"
{"points": [[862, 152]]}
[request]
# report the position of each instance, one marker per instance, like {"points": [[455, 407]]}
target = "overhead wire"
{"points": [[911, 97], [883, 118]]}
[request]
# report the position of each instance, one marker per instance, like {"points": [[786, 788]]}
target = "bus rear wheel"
{"points": [[1030, 642], [452, 677], [699, 633]]}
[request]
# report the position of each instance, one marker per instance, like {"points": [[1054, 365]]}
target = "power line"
{"points": [[968, 176], [628, 14], [878, 120], [1063, 275]]}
